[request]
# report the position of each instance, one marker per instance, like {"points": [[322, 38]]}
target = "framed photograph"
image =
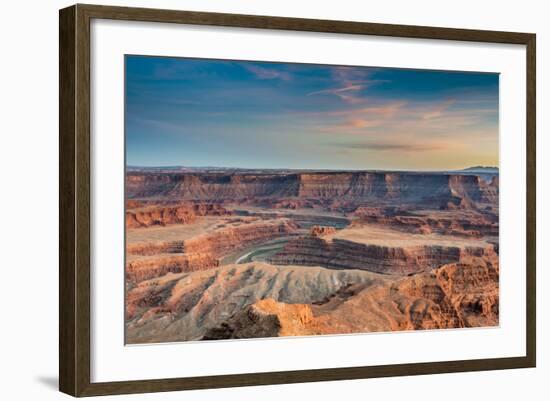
{"points": [[250, 200]]}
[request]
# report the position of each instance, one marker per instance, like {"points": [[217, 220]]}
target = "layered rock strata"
{"points": [[469, 226], [261, 300], [265, 318], [403, 258], [157, 265], [453, 296], [426, 188], [154, 258], [163, 215], [321, 231]]}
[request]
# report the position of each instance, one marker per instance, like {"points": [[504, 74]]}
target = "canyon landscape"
{"points": [[245, 254], [268, 199]]}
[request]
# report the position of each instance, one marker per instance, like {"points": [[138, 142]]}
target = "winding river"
{"points": [[263, 251]]}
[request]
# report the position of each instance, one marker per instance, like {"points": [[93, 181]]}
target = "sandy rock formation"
{"points": [[133, 204], [184, 306], [265, 318], [453, 296], [321, 231], [261, 300], [162, 215], [158, 265], [457, 295]]}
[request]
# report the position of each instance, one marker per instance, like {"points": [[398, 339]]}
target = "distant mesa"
{"points": [[436, 190], [482, 169]]}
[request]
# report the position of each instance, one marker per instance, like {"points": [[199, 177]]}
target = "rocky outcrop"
{"points": [[293, 204], [184, 306], [228, 239], [457, 295], [345, 254], [375, 211], [133, 204], [427, 188], [163, 215], [321, 231], [265, 318], [158, 265], [453, 296], [155, 258], [471, 225]]}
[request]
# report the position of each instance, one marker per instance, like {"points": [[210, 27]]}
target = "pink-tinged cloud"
{"points": [[350, 99], [359, 120], [393, 146], [438, 110], [267, 73], [374, 110], [405, 121], [384, 110], [360, 123]]}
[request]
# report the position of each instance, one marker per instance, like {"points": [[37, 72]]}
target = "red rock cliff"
{"points": [[163, 215], [440, 189]]}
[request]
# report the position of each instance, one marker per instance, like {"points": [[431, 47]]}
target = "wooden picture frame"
{"points": [[74, 203]]}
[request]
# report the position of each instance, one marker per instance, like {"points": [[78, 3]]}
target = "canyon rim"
{"points": [[272, 199]]}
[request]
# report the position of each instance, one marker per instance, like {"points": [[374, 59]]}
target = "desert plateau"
{"points": [[240, 253]]}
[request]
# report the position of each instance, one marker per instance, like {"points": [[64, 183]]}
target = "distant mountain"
{"points": [[481, 169]]}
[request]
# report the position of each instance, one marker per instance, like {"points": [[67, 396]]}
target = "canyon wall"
{"points": [[471, 226], [156, 258], [437, 188], [344, 254], [162, 215]]}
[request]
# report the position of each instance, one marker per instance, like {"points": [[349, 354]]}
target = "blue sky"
{"points": [[198, 112]]}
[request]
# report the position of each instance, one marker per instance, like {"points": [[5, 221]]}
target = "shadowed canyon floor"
{"points": [[240, 254]]}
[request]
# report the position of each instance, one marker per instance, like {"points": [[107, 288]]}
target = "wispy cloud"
{"points": [[362, 123], [336, 91], [348, 83], [438, 109], [425, 118], [392, 146], [267, 73], [359, 119]]}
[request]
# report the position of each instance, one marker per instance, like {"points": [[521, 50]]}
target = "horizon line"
{"points": [[173, 166]]}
